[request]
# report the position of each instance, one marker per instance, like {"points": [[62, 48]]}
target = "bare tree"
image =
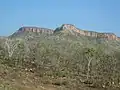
{"points": [[11, 46], [89, 55]]}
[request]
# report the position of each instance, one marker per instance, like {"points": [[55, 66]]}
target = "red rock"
{"points": [[72, 29], [108, 36], [35, 29]]}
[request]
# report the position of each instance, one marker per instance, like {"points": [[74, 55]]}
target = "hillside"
{"points": [[67, 58], [67, 29]]}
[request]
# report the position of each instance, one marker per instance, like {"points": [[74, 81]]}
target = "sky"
{"points": [[93, 15]]}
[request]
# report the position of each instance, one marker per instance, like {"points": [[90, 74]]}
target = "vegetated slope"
{"points": [[71, 33], [59, 60]]}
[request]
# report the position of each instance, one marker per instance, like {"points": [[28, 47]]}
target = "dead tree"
{"points": [[11, 46]]}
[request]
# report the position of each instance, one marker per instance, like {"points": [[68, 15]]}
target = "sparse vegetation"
{"points": [[72, 62]]}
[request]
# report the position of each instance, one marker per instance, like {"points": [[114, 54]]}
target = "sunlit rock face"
{"points": [[109, 36], [71, 28], [35, 29]]}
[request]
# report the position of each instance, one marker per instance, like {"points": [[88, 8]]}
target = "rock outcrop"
{"points": [[118, 38], [36, 30], [73, 30]]}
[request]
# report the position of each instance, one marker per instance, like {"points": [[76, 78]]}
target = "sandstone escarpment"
{"points": [[118, 38], [71, 28], [35, 29]]}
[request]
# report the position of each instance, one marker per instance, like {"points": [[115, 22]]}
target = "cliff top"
{"points": [[71, 29]]}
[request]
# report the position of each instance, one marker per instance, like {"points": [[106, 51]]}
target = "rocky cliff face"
{"points": [[118, 38], [71, 28], [35, 29]]}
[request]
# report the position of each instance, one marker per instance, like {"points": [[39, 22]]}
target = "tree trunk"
{"points": [[88, 68]]}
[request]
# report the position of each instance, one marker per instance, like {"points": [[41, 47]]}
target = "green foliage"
{"points": [[69, 57]]}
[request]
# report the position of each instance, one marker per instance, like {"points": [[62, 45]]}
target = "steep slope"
{"points": [[67, 29], [71, 29], [31, 31]]}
